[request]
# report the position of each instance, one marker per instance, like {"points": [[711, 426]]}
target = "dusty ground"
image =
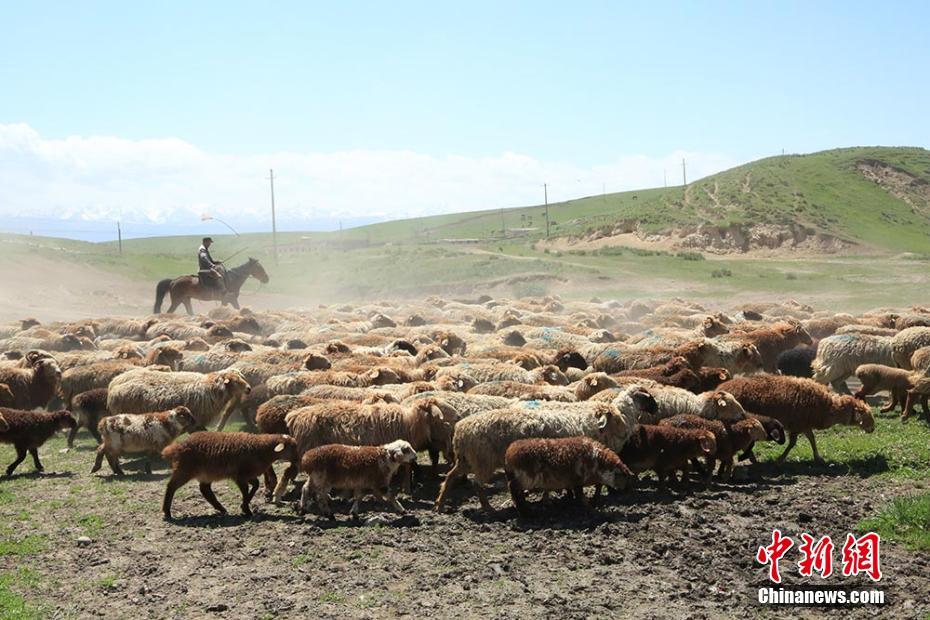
{"points": [[650, 554]]}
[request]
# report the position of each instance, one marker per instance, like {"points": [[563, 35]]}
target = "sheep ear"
{"points": [[445, 342], [226, 380], [375, 373], [461, 383], [602, 422], [594, 382], [722, 375], [279, 447], [721, 403]]}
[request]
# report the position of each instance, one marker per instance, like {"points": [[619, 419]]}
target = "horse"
{"points": [[185, 288]]}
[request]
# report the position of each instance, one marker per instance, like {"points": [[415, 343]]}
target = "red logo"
{"points": [[860, 555], [817, 557], [773, 553]]}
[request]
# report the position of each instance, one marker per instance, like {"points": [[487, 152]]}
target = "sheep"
{"points": [[485, 373], [480, 441], [89, 408], [566, 463], [665, 450], [83, 378], [774, 430], [801, 405], [339, 392], [683, 378], [709, 378], [591, 384], [146, 433], [33, 386], [425, 424], [904, 344], [294, 383], [735, 356], [839, 356], [28, 430], [210, 457], [715, 405], [920, 360], [52, 342], [210, 396], [729, 439], [771, 341], [797, 362], [523, 391], [353, 468], [463, 405], [877, 378]]}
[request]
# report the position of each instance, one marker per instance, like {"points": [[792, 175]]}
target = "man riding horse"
{"points": [[211, 272]]}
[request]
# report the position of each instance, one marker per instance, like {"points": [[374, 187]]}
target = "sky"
{"points": [[158, 113]]}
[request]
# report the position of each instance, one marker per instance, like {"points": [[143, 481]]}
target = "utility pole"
{"points": [[274, 225], [546, 198], [119, 237], [684, 175]]}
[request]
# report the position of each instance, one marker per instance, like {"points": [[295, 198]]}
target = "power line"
{"points": [[274, 226]]}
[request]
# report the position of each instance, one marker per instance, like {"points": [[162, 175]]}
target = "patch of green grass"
{"points": [[906, 519], [13, 605], [92, 524], [894, 450], [107, 582], [25, 545], [333, 597]]}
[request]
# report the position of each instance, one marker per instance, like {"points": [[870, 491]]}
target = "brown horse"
{"points": [[185, 288]]}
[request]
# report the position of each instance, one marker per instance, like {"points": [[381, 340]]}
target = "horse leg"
{"points": [[189, 306]]}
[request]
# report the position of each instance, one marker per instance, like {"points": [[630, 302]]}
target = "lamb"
{"points": [[839, 356], [33, 386], [210, 457], [591, 384], [801, 405], [729, 439], [797, 362], [425, 424], [877, 378], [210, 396], [716, 405], [146, 433], [353, 468], [485, 373], [775, 431], [480, 441], [665, 450], [569, 463], [28, 430], [89, 408], [904, 344]]}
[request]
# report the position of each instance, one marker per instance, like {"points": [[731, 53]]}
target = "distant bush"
{"points": [[721, 273], [791, 276], [695, 256], [530, 289]]}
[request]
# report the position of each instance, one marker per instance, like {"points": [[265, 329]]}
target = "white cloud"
{"points": [[172, 181]]}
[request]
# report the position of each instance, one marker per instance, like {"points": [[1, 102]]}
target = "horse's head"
{"points": [[257, 271]]}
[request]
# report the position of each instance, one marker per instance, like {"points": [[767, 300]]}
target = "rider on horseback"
{"points": [[211, 272]]}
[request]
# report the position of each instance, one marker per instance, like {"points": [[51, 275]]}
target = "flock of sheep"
{"points": [[560, 395]]}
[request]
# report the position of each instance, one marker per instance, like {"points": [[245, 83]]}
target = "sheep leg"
{"points": [[176, 481], [304, 502], [271, 480], [454, 475], [207, 491], [253, 488], [923, 404], [892, 402], [289, 474], [322, 498], [581, 498], [34, 452], [840, 385], [20, 457], [389, 499], [148, 465], [792, 439], [114, 464], [518, 495], [810, 437], [96, 434], [749, 454], [356, 501], [482, 493], [71, 435], [246, 496], [98, 462], [434, 458]]}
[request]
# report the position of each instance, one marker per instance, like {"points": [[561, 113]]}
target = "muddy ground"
{"points": [[650, 554]]}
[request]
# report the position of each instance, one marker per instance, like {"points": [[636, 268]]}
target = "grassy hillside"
{"points": [[824, 191]]}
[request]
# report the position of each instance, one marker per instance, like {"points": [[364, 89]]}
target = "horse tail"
{"points": [[160, 291]]}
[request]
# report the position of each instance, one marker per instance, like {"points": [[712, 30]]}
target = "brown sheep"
{"points": [[801, 405], [878, 378], [353, 468], [773, 340], [665, 450], [7, 399], [566, 463], [730, 439], [34, 386], [774, 430], [28, 430], [270, 420], [89, 408], [210, 457]]}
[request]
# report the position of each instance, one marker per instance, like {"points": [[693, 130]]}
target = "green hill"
{"points": [[876, 197]]}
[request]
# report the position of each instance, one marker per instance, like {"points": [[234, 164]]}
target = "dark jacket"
{"points": [[204, 260]]}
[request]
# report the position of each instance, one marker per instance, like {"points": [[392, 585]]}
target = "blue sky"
{"points": [[574, 89]]}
